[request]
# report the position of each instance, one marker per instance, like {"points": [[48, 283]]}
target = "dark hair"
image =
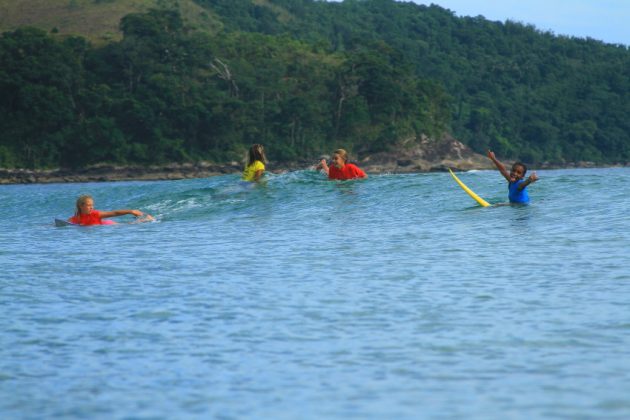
{"points": [[256, 152], [522, 165]]}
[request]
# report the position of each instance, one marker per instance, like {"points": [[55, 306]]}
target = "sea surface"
{"points": [[395, 297]]}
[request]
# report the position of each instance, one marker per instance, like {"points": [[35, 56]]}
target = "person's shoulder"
{"points": [[355, 168]]}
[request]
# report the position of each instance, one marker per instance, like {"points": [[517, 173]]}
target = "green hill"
{"points": [[186, 80], [96, 20]]}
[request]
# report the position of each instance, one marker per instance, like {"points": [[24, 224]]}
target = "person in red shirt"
{"points": [[86, 215], [340, 168]]}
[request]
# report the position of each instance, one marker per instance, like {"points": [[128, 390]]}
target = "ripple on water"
{"points": [[381, 298]]}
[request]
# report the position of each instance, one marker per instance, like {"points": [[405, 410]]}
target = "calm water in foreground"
{"points": [[393, 297]]}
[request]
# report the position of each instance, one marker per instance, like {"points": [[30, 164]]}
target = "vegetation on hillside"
{"points": [[304, 77], [96, 20]]}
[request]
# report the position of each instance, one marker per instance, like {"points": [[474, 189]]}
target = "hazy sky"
{"points": [[605, 20]]}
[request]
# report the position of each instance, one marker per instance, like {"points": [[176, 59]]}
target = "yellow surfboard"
{"points": [[470, 192]]}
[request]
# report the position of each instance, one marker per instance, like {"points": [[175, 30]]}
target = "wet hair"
{"points": [[342, 154], [522, 165], [256, 152], [80, 201]]}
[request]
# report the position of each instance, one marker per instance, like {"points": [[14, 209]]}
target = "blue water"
{"points": [[391, 297]]}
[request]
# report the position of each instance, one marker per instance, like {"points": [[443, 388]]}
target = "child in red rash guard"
{"points": [[86, 215], [340, 168]]}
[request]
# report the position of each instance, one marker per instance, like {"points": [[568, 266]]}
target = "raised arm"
{"points": [[530, 179], [499, 165], [324, 166]]}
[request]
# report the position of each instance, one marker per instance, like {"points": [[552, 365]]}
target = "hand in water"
{"points": [[143, 217]]}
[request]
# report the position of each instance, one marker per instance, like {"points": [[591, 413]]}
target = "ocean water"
{"points": [[301, 298]]}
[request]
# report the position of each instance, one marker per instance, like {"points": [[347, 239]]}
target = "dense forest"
{"points": [[304, 77]]}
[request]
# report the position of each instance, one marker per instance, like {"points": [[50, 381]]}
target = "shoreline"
{"points": [[178, 171], [412, 155], [111, 173]]}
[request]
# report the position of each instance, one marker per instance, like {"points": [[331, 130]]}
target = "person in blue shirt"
{"points": [[515, 179]]}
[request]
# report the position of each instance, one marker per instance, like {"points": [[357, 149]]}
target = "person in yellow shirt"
{"points": [[255, 167]]}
